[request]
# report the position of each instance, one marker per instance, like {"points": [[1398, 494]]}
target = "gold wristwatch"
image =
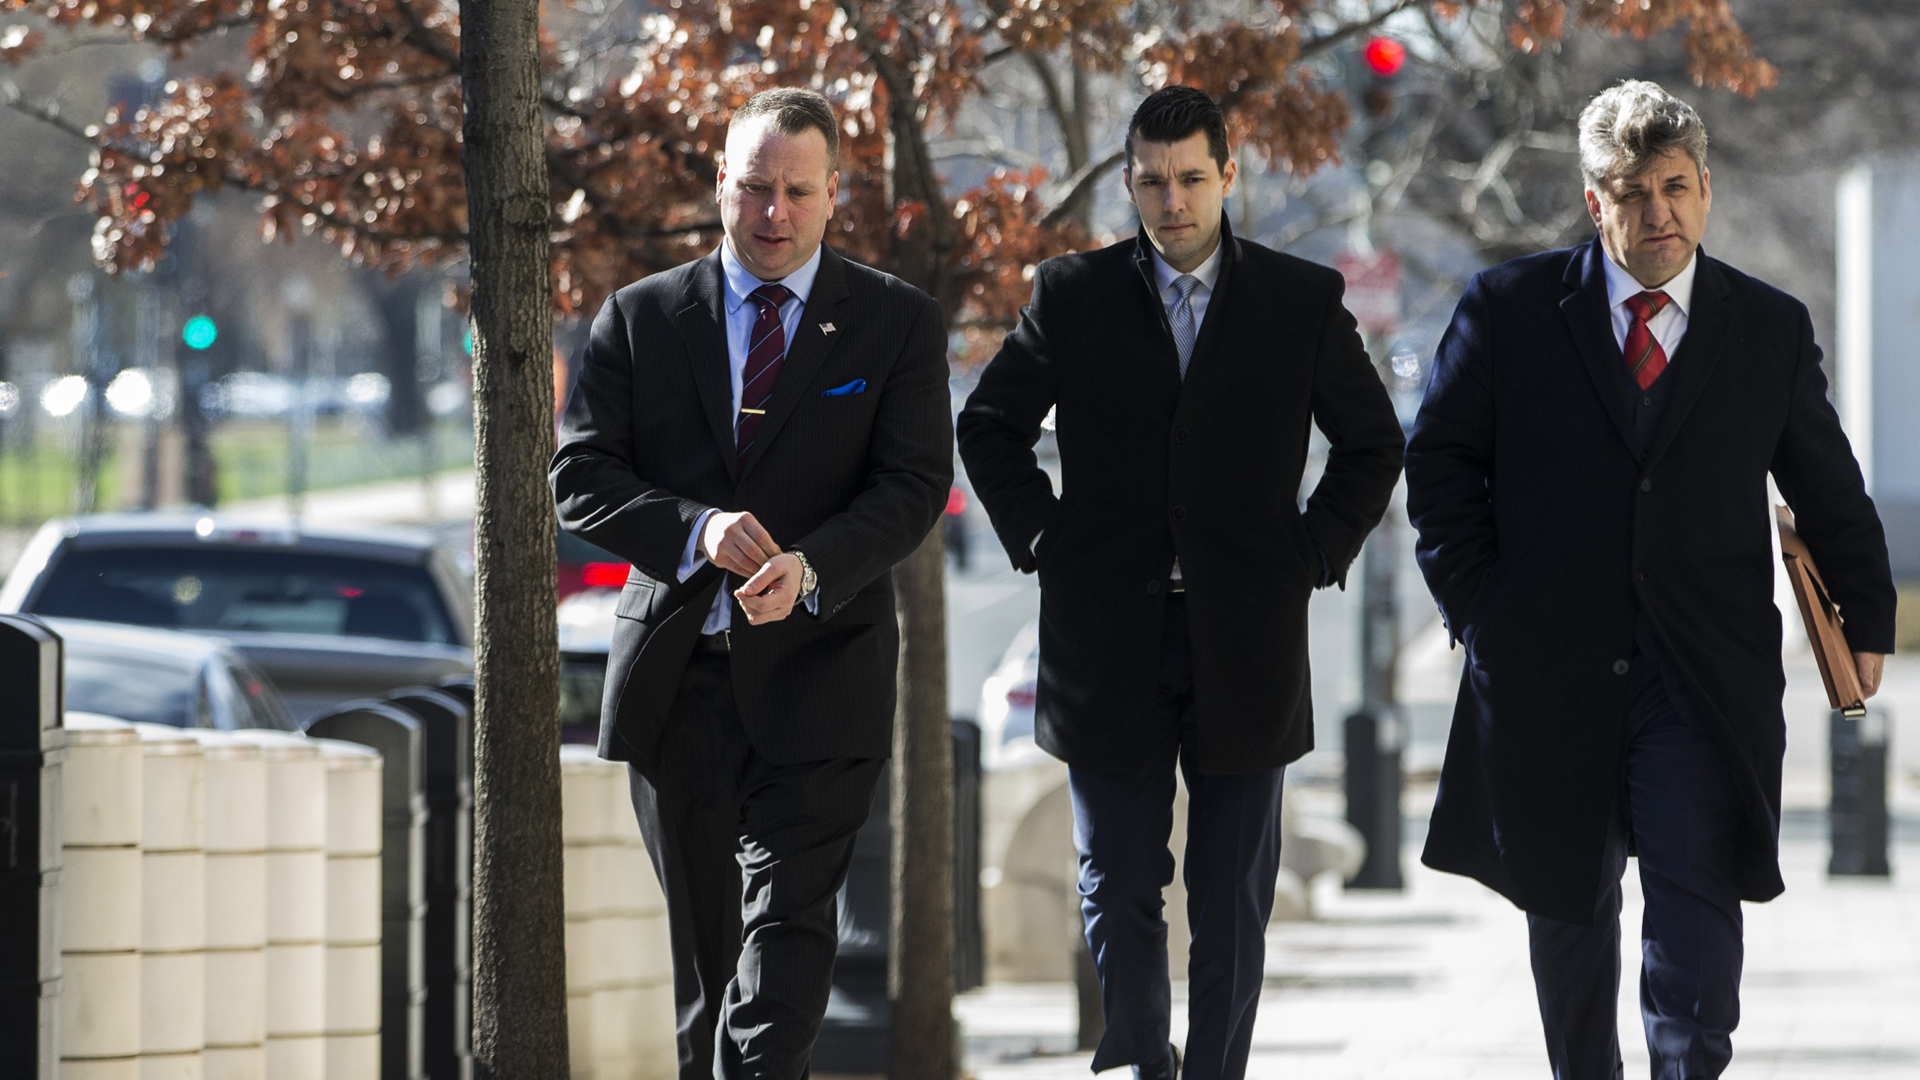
{"points": [[808, 579]]}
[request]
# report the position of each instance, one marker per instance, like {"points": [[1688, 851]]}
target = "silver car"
{"points": [[152, 676], [328, 614]]}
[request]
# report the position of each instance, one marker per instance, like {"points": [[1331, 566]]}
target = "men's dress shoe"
{"points": [[1172, 1072]]}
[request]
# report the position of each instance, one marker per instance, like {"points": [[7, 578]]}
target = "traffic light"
{"points": [[199, 333], [1384, 57]]}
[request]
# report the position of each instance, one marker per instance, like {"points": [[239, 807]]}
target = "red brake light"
{"points": [[603, 575]]}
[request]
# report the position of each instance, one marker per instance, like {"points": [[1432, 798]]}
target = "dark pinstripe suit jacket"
{"points": [[855, 480]]}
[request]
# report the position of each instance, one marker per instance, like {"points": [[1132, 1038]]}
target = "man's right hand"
{"points": [[737, 543]]}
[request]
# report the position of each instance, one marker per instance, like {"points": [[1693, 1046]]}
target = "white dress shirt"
{"points": [[741, 313], [1670, 325], [1208, 272]]}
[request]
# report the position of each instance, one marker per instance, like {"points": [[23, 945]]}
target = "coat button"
{"points": [[1646, 483], [1640, 576], [1619, 667], [1179, 513], [1181, 435], [1153, 588]]}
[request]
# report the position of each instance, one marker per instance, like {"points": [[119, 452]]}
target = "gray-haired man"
{"points": [[1588, 477]]}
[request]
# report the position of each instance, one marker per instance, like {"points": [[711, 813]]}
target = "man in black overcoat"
{"points": [[1184, 368], [1588, 475], [763, 433]]}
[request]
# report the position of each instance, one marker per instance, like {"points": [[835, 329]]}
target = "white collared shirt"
{"points": [[1670, 325], [1208, 272], [739, 286]]}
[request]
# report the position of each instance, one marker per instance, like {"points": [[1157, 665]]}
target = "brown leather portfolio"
{"points": [[1822, 619]]}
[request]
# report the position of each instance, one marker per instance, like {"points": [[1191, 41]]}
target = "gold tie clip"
{"points": [[754, 412]]}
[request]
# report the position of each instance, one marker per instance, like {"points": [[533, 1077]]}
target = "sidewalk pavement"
{"points": [[1433, 984]]}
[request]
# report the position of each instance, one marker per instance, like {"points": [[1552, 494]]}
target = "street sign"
{"points": [[1373, 290]]}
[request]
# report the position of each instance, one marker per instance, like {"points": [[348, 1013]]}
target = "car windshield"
{"points": [[220, 589]]}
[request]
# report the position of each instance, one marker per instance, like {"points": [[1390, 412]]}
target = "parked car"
{"points": [[581, 566], [167, 677], [586, 633], [1006, 702], [329, 614]]}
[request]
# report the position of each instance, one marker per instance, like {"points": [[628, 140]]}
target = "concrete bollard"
{"points": [[101, 809], [580, 818], [446, 729], [236, 903], [619, 961], [173, 897], [396, 735], [353, 910], [32, 752], [296, 820]]}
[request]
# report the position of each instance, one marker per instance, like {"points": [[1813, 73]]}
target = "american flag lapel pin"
{"points": [[826, 328]]}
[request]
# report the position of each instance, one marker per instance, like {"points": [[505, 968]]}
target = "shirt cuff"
{"points": [[691, 559], [812, 600]]}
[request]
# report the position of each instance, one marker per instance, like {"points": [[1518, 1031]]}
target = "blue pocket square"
{"points": [[855, 387]]}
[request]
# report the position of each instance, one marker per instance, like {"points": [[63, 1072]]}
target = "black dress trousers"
{"points": [[751, 857], [1682, 810]]}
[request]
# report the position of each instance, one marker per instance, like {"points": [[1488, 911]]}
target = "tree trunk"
{"points": [[920, 963], [519, 947]]}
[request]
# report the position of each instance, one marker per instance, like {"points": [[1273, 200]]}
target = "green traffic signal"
{"points": [[199, 333]]}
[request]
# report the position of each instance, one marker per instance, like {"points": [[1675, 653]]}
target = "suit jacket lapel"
{"points": [[702, 324], [805, 353], [1588, 320], [1708, 325]]}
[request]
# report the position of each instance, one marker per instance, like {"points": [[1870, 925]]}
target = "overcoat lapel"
{"points": [[1585, 309], [1218, 304], [806, 352], [1708, 325], [702, 324], [1169, 367]]}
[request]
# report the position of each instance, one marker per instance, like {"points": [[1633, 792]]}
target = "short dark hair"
{"points": [[794, 110], [1175, 112]]}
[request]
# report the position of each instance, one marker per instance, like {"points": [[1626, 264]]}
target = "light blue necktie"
{"points": [[1184, 330]]}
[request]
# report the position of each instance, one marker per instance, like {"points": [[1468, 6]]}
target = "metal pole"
{"points": [[1375, 734], [1858, 815]]}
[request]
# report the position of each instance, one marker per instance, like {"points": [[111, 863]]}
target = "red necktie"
{"points": [[1644, 355], [768, 347]]}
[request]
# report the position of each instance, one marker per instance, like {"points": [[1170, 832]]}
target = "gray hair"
{"points": [[1626, 127], [795, 110]]}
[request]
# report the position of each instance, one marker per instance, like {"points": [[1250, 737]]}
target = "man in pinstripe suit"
{"points": [[763, 433]]}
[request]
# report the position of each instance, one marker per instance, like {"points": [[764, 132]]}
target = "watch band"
{"points": [[808, 579]]}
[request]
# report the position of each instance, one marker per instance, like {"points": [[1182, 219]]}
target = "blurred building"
{"points": [[1878, 356]]}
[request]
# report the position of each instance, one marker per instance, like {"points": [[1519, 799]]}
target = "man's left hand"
{"points": [[1868, 665], [769, 595]]}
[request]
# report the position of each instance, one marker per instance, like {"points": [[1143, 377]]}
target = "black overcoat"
{"points": [[1208, 470], [853, 479], [1546, 535]]}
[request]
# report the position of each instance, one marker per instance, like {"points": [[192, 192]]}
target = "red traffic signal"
{"points": [[1385, 56]]}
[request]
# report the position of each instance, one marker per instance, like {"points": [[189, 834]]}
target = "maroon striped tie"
{"points": [[768, 346], [1644, 355]]}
